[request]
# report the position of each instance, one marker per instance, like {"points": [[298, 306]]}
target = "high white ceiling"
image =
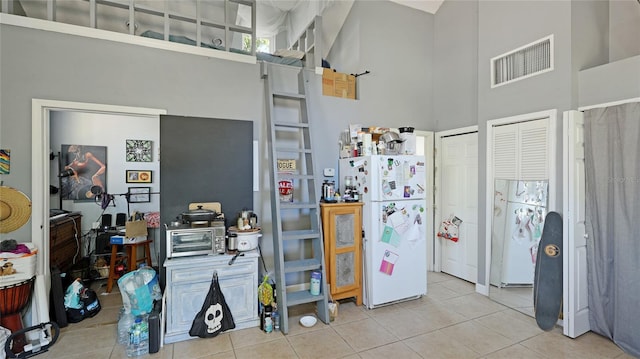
{"points": [[430, 6]]}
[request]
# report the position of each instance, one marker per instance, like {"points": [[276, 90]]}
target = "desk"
{"points": [[65, 235]]}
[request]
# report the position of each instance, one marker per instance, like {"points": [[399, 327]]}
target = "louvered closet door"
{"points": [[521, 151], [505, 158], [534, 150]]}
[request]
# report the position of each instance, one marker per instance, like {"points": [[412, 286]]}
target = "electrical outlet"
{"points": [[329, 172], [95, 225]]}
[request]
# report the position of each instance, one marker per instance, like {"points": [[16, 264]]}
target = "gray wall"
{"points": [[612, 82], [624, 20], [455, 68], [53, 66]]}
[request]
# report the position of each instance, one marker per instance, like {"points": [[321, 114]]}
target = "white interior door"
{"points": [[575, 293], [458, 190]]}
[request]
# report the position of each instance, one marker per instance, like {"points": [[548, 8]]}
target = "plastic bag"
{"points": [[215, 316], [72, 295], [136, 297], [80, 302], [449, 228]]}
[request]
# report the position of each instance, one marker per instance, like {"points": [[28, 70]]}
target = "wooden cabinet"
{"points": [[65, 236], [342, 232], [187, 284]]}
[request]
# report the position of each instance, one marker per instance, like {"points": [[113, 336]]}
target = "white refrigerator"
{"points": [[525, 213], [393, 189]]}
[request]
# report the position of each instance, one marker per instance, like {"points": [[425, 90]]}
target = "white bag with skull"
{"points": [[215, 316]]}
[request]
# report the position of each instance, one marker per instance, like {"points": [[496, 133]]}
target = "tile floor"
{"points": [[452, 321]]}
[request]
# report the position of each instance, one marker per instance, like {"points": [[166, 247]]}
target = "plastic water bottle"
{"points": [[138, 338], [124, 324]]}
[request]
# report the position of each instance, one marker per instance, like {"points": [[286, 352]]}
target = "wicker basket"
{"points": [[104, 271]]}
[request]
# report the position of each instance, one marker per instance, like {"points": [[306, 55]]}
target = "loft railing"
{"points": [[228, 25]]}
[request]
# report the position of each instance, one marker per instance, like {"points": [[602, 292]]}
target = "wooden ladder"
{"points": [[297, 234]]}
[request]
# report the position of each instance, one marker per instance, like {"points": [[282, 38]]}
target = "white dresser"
{"points": [[187, 284]]}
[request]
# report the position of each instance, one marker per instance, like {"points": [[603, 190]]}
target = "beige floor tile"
{"points": [[165, 352], [474, 305], [324, 343], [393, 350], [364, 334], [251, 336], [82, 340], [477, 338], [438, 345], [349, 312], [223, 355], [295, 328], [438, 314], [436, 277], [460, 287], [199, 347], [405, 323], [279, 348], [589, 345], [515, 351], [437, 291], [512, 324]]}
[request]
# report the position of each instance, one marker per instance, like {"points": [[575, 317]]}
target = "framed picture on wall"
{"points": [[139, 150], [139, 194], [138, 176], [84, 172]]}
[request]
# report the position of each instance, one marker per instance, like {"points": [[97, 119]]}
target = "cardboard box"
{"points": [[338, 84], [17, 269]]}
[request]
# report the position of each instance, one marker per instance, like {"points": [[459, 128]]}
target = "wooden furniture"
{"points": [[65, 235], [131, 255], [188, 281], [342, 232]]}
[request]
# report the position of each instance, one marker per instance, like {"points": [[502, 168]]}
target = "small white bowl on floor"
{"points": [[308, 321]]}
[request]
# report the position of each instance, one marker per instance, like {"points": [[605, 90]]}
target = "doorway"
{"points": [[521, 150], [40, 173], [457, 195]]}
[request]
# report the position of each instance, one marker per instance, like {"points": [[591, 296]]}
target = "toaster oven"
{"points": [[183, 242]]}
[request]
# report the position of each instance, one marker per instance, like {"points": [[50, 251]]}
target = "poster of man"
{"points": [[84, 173]]}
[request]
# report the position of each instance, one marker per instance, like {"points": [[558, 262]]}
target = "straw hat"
{"points": [[15, 209]]}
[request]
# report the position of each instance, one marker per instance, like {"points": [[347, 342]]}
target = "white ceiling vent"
{"points": [[529, 60]]}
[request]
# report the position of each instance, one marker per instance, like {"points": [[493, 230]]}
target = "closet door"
{"points": [[521, 151], [505, 157], [533, 161]]}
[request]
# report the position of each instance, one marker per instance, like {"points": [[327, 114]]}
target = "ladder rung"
{"points": [[293, 150], [300, 234], [291, 124], [301, 297], [301, 265], [296, 176], [289, 95], [300, 205]]}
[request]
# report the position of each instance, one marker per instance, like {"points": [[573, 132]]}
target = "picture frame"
{"points": [[139, 150], [139, 176], [139, 194]]}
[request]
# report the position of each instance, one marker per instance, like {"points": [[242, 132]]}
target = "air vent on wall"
{"points": [[529, 60]]}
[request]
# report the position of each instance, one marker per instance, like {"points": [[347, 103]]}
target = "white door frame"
{"points": [[438, 218], [429, 157], [40, 151], [553, 179]]}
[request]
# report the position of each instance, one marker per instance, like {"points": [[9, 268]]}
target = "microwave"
{"points": [[183, 242]]}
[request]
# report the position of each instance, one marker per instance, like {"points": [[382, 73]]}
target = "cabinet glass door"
{"points": [[345, 240]]}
